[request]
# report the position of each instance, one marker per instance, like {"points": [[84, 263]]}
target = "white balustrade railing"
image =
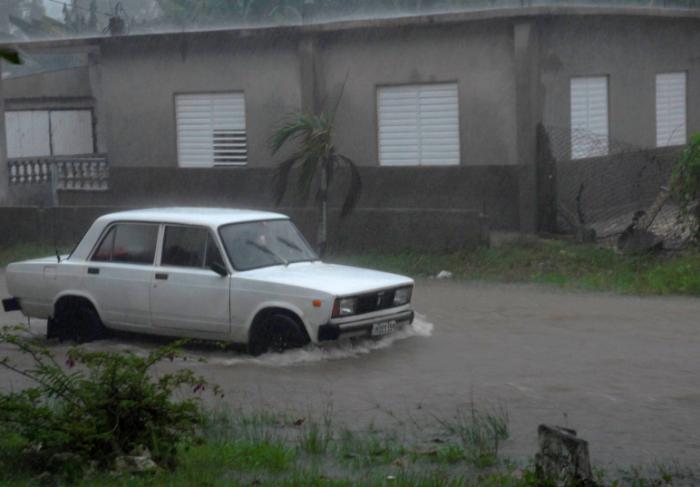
{"points": [[74, 173]]}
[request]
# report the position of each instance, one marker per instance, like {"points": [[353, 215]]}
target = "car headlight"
{"points": [[344, 306], [402, 296]]}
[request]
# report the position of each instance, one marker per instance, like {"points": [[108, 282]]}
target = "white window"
{"points": [[41, 133], [418, 125], [211, 129], [71, 132], [589, 117], [27, 133], [670, 109]]}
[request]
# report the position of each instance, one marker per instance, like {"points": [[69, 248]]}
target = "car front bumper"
{"points": [[362, 327]]}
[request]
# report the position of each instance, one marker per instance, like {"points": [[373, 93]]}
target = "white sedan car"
{"points": [[234, 275]]}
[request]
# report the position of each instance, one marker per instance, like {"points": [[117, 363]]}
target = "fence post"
{"points": [[54, 183], [4, 168], [546, 183]]}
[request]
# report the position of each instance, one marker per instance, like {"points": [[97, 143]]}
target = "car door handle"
{"points": [[93, 270], [162, 277]]}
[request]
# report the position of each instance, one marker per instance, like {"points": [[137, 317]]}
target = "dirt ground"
{"points": [[623, 371]]}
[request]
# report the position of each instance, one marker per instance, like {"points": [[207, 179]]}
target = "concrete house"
{"points": [[441, 112]]}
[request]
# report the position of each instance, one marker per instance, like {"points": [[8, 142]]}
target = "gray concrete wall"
{"points": [[492, 190], [631, 51], [478, 56], [71, 83], [366, 230], [140, 78]]}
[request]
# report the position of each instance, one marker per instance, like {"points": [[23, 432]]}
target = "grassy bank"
{"points": [[264, 449], [28, 251], [552, 262]]}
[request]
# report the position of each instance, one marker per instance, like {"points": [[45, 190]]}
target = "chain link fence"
{"points": [[603, 184]]}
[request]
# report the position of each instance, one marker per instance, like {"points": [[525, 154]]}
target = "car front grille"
{"points": [[376, 301]]}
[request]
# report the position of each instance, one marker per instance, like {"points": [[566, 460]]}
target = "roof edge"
{"points": [[446, 18]]}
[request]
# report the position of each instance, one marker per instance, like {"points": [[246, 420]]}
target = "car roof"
{"points": [[212, 217]]}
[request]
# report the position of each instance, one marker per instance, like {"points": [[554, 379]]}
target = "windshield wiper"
{"points": [[267, 250], [290, 244]]}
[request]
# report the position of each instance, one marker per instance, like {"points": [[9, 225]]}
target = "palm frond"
{"points": [[296, 125], [309, 167], [10, 55], [355, 188], [281, 177]]}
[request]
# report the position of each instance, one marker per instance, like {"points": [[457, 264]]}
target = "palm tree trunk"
{"points": [[323, 223]]}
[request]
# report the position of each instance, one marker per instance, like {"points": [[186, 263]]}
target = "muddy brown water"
{"points": [[624, 371]]}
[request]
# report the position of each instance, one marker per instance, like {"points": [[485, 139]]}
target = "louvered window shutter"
{"points": [[211, 130], [670, 109], [589, 117], [418, 125]]}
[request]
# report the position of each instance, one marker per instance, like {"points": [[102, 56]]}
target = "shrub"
{"points": [[96, 407], [686, 186]]}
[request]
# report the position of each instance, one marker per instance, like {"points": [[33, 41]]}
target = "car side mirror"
{"points": [[218, 268]]}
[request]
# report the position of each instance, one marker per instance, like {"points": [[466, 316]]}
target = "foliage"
{"points": [[480, 434], [28, 251], [229, 456], [686, 185], [282, 11], [550, 262], [316, 151], [10, 55], [317, 159], [97, 406]]}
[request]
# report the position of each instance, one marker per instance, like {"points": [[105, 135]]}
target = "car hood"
{"points": [[338, 280]]}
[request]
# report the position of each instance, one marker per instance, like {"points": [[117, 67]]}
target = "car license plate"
{"points": [[383, 328]]}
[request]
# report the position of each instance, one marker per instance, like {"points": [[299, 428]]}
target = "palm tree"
{"points": [[317, 158]]}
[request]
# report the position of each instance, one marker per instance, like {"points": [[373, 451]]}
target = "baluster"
{"points": [[68, 168], [23, 167], [46, 171], [84, 175], [35, 171], [13, 172]]}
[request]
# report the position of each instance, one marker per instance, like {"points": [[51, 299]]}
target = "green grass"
{"points": [[557, 263], [241, 448], [29, 251]]}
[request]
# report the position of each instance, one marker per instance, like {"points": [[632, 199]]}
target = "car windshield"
{"points": [[265, 243]]}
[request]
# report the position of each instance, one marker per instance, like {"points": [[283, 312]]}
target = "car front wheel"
{"points": [[277, 334]]}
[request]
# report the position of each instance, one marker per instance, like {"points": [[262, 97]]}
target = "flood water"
{"points": [[623, 371]]}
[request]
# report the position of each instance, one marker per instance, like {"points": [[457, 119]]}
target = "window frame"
{"points": [[213, 164], [49, 111], [105, 233], [419, 163], [608, 114], [210, 234], [656, 108]]}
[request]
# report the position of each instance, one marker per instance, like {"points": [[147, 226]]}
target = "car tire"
{"points": [[54, 330], [278, 333], [80, 322]]}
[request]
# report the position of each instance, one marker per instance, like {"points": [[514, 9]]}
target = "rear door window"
{"points": [[129, 243]]}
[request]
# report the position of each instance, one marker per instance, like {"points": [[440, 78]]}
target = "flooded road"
{"points": [[623, 371]]}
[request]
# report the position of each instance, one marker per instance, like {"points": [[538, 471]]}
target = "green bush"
{"points": [[94, 408], [686, 185]]}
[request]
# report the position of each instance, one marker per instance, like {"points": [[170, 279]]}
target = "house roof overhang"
{"points": [[450, 18]]}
